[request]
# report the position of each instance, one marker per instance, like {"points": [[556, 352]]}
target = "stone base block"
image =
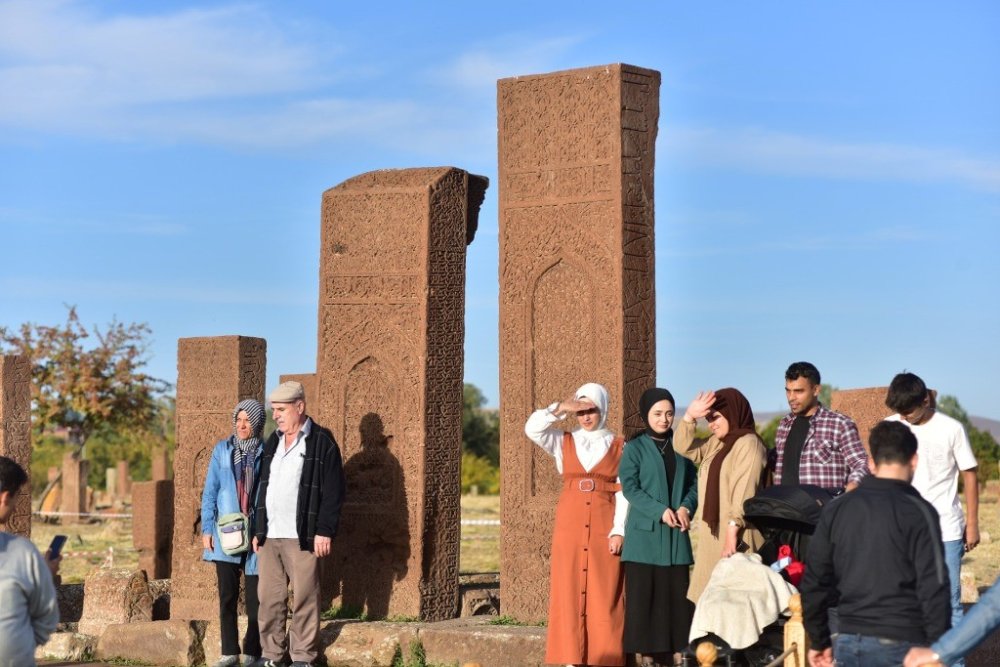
{"points": [[176, 643], [67, 646], [70, 599], [474, 641], [354, 644], [213, 638]]}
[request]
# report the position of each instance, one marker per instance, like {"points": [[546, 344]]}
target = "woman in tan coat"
{"points": [[730, 468]]}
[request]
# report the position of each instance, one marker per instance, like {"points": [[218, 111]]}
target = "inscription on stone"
{"points": [[390, 355], [576, 152], [213, 375]]}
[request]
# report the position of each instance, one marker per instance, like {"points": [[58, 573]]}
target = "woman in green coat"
{"points": [[661, 487]]}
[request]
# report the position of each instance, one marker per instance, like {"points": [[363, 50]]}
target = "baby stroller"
{"points": [[784, 515]]}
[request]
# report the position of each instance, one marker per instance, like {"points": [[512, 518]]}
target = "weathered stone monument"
{"points": [[123, 482], [865, 406], [15, 430], [152, 535], [576, 153], [75, 500], [309, 383], [114, 596], [390, 369], [160, 466], [213, 375]]}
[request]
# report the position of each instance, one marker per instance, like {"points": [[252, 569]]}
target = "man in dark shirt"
{"points": [[815, 445], [877, 554]]}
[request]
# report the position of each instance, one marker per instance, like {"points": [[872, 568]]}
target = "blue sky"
{"points": [[827, 178]]}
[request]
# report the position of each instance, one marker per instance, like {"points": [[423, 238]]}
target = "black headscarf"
{"points": [[649, 398]]}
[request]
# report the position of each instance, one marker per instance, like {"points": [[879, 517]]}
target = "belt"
{"points": [[589, 484]]}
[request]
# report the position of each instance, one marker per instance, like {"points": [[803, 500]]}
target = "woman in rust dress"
{"points": [[586, 606]]}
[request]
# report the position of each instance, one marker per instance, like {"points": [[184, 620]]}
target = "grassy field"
{"points": [[89, 544], [480, 550]]}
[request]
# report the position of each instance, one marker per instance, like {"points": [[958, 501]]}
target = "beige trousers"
{"points": [[281, 561]]}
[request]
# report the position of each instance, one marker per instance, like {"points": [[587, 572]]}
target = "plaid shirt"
{"points": [[832, 455]]}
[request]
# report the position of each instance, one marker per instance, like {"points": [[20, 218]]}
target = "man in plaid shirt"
{"points": [[815, 445]]}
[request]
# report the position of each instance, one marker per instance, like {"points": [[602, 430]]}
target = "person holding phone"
{"points": [[227, 500], [28, 609]]}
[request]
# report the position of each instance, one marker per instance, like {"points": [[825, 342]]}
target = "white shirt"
{"points": [[589, 451], [282, 500], [943, 449]]}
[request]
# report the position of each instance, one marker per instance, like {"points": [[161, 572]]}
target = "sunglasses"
{"points": [[712, 417], [591, 411]]}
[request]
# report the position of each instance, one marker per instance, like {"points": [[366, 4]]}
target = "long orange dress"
{"points": [[586, 600]]}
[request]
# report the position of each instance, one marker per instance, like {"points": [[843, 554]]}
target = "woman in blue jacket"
{"points": [[661, 487], [230, 487]]}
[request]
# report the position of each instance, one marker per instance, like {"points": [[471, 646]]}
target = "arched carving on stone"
{"points": [[562, 347]]}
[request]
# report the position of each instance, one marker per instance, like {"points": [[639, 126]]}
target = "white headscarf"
{"points": [[597, 395]]}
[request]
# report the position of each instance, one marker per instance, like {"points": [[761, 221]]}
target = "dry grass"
{"points": [[984, 560], [88, 545], [480, 548]]}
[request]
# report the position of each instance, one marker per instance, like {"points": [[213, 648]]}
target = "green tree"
{"points": [[826, 393], [480, 427], [984, 445], [86, 382], [769, 431]]}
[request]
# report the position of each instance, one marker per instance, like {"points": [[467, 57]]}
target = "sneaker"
{"points": [[228, 661], [248, 660], [299, 663], [264, 662]]}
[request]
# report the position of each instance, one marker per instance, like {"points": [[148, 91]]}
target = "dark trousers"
{"points": [[228, 575]]}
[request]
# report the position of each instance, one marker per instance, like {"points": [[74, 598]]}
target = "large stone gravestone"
{"points": [[15, 431], [865, 406], [390, 355], [576, 153], [75, 500], [213, 375]]}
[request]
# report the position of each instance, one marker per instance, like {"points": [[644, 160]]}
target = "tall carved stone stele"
{"points": [[390, 355], [75, 500], [15, 431], [576, 280], [213, 375]]}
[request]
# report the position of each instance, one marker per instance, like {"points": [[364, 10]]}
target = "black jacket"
{"points": [[321, 490], [877, 556]]}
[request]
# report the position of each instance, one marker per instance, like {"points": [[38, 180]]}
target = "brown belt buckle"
{"points": [[586, 485]]}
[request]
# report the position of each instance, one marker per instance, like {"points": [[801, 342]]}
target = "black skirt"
{"points": [[657, 611]]}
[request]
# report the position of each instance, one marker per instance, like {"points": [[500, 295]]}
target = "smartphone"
{"points": [[56, 547]]}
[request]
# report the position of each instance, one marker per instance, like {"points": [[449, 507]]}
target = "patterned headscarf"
{"points": [[245, 451]]}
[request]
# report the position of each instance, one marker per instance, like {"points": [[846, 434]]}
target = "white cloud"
{"points": [[70, 291], [798, 155], [63, 66], [874, 238], [511, 55]]}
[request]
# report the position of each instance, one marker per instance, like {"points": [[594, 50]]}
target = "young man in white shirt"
{"points": [[945, 453]]}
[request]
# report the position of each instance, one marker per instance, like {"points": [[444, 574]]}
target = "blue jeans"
{"points": [[953, 552], [867, 651]]}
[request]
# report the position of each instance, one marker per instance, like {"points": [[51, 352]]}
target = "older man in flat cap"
{"points": [[298, 508]]}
